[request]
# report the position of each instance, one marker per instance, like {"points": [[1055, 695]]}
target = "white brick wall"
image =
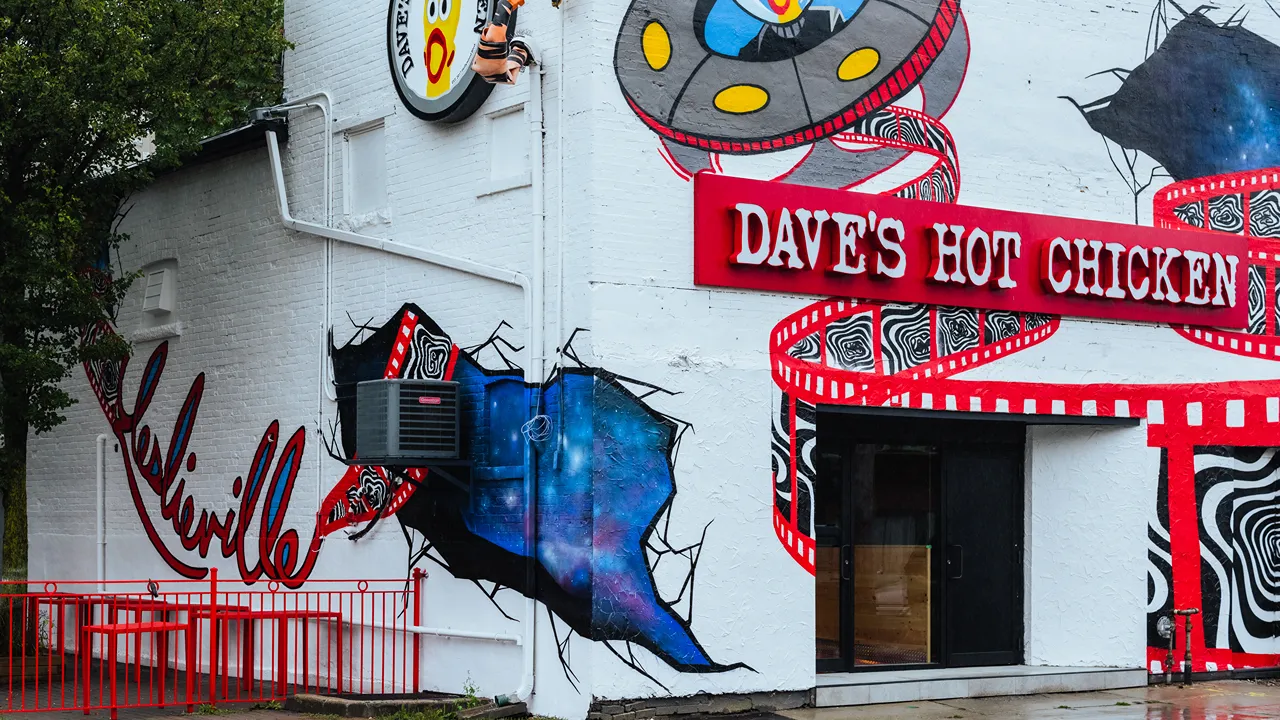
{"points": [[251, 303]]}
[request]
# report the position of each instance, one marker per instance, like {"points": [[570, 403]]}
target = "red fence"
{"points": [[72, 645]]}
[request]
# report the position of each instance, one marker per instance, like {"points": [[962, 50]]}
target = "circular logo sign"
{"points": [[430, 46]]}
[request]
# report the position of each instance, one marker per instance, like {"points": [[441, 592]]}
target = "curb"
{"points": [[365, 708]]}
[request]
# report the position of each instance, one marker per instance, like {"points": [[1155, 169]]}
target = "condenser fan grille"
{"points": [[404, 422]]}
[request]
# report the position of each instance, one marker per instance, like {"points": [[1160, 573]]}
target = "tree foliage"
{"points": [[87, 89]]}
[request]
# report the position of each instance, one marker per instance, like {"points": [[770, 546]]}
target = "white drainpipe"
{"points": [[324, 390], [533, 301], [536, 357], [102, 512]]}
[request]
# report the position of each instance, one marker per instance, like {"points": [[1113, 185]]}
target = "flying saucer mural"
{"points": [[604, 461], [834, 93]]}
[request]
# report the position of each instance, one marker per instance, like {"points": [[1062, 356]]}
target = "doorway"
{"points": [[919, 528]]}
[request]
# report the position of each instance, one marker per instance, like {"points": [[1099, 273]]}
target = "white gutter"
{"points": [[323, 389], [102, 512], [445, 632], [440, 632], [561, 92], [502, 275], [534, 310]]}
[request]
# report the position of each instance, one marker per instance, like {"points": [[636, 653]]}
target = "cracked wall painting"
{"points": [[604, 463]]}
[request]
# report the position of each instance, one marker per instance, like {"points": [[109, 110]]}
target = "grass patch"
{"points": [[207, 709], [1124, 704], [405, 713], [269, 705]]}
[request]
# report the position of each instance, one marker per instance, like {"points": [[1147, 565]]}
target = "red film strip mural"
{"points": [[416, 352], [1217, 511]]}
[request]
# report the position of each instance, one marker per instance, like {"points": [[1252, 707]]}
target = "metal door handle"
{"points": [[845, 562], [952, 552]]}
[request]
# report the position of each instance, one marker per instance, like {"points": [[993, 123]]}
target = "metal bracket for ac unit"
{"points": [[435, 466], [438, 468]]}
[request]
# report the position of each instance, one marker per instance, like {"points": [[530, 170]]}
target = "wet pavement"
{"points": [[1225, 700]]}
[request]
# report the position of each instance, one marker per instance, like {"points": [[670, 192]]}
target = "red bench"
{"points": [[111, 633]]}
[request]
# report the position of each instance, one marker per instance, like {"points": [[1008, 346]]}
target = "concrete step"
{"points": [[888, 686]]}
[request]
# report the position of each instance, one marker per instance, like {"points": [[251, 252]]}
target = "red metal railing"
{"points": [[71, 646]]}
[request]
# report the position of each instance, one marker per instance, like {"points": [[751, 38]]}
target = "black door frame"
{"points": [[893, 425]]}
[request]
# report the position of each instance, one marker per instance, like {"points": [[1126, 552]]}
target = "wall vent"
{"points": [[159, 294]]}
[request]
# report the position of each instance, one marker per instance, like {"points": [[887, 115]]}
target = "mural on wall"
{"points": [[1202, 103], [604, 462], [729, 87], [832, 93], [157, 479], [1201, 109]]}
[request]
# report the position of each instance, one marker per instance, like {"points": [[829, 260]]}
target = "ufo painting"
{"points": [[743, 76]]}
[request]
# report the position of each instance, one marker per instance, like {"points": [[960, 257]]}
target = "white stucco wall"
{"points": [[1087, 494]]}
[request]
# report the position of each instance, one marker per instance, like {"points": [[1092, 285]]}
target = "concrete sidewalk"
{"points": [[1225, 700]]}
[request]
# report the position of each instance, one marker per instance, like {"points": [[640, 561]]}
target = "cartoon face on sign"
{"points": [[440, 25], [430, 47]]}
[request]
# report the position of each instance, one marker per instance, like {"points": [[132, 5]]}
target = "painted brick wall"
{"points": [[251, 302]]}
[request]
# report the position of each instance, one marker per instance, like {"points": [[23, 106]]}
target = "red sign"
{"points": [[813, 241]]}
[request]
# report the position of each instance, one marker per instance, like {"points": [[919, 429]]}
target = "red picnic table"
{"points": [[111, 633], [281, 617], [114, 604]]}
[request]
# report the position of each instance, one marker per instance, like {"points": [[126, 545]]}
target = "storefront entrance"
{"points": [[919, 533]]}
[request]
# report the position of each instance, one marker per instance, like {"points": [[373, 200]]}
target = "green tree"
{"points": [[96, 96]]}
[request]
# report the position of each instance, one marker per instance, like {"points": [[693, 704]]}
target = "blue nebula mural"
{"points": [[1205, 100], [604, 480]]}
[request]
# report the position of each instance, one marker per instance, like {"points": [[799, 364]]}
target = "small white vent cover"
{"points": [[159, 295]]}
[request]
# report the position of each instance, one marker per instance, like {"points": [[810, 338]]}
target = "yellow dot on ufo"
{"points": [[741, 99], [657, 45], [858, 64]]}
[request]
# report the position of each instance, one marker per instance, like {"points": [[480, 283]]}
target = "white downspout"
{"points": [[322, 389], [537, 370], [102, 512], [533, 291], [562, 84]]}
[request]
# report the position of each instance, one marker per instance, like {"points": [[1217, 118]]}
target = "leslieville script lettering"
{"points": [[278, 549]]}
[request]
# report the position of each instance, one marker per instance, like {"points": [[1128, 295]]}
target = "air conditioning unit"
{"points": [[406, 422]]}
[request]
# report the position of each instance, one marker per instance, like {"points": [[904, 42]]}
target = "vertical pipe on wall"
{"points": [[102, 512], [561, 85], [537, 371], [323, 390]]}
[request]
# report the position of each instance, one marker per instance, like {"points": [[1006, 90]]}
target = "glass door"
{"points": [[918, 523], [895, 500], [833, 566]]}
